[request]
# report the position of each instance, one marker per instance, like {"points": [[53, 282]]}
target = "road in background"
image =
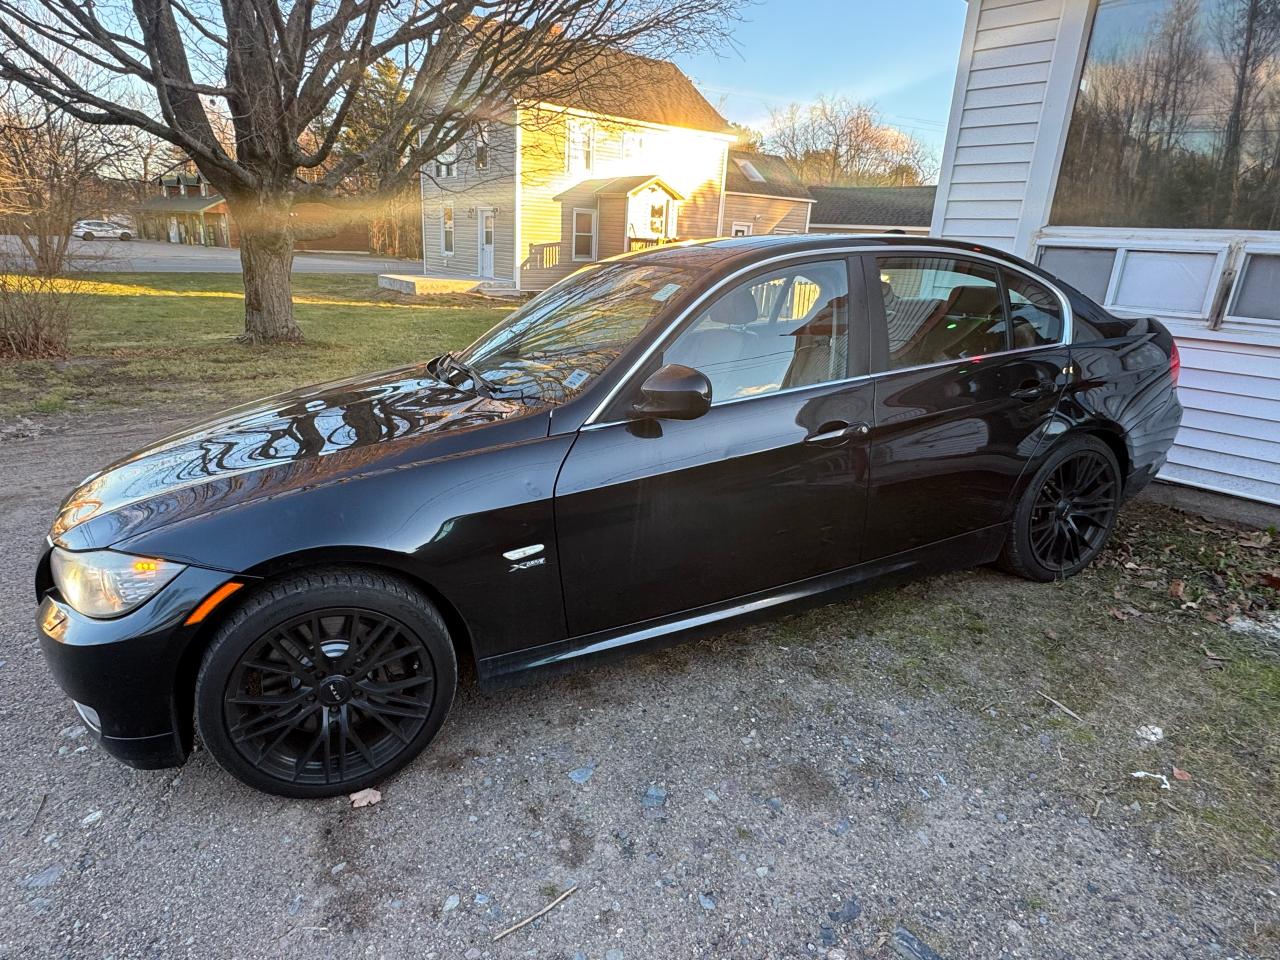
{"points": [[148, 256]]}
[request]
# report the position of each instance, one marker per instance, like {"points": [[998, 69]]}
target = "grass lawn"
{"points": [[141, 339]]}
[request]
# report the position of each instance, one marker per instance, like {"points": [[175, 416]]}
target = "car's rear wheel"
{"points": [[1066, 513], [125, 235], [325, 682], [87, 235]]}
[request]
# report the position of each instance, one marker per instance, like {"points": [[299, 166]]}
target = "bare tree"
{"points": [[287, 72], [835, 141], [50, 164]]}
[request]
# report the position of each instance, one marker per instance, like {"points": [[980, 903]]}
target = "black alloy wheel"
{"points": [[304, 696], [87, 235], [329, 696], [1067, 512]]}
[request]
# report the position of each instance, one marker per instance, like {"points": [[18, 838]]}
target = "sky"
{"points": [[899, 55]]}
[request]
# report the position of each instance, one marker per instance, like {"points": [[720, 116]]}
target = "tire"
{"points": [[87, 235], [126, 235], [1066, 514], [386, 680]]}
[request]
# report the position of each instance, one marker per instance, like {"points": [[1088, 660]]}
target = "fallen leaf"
{"points": [[366, 797], [1271, 578], [1177, 588], [1180, 774]]}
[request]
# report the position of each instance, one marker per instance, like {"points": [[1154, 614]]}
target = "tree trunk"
{"points": [[266, 256]]}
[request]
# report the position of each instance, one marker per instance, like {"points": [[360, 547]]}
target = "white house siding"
{"points": [[469, 191], [1019, 69], [1230, 437]]}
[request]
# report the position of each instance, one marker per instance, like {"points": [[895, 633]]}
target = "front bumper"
{"points": [[132, 672]]}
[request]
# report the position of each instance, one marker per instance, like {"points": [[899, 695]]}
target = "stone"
{"points": [[849, 911], [708, 902], [473, 954], [654, 797], [582, 774], [45, 878], [451, 902], [907, 944]]}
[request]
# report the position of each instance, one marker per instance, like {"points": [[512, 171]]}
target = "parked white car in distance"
{"points": [[100, 230]]}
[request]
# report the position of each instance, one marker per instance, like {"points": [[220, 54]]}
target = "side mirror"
{"points": [[675, 392]]}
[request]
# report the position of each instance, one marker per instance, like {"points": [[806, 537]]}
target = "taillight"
{"points": [[1175, 362]]}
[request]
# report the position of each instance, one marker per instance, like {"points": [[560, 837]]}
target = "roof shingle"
{"points": [[779, 180], [873, 206], [620, 84]]}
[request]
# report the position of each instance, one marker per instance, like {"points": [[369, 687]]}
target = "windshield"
{"points": [[560, 341]]}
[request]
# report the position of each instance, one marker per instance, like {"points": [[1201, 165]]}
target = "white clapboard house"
{"points": [[1133, 148]]}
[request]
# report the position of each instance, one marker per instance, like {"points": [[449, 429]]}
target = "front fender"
{"points": [[449, 520]]}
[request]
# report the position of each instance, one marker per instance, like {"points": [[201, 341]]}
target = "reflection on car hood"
{"points": [[296, 439]]}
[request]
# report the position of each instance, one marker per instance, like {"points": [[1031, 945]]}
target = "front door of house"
{"points": [[486, 243]]}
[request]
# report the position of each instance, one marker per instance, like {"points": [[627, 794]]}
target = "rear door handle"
{"points": [[837, 431], [1033, 390]]}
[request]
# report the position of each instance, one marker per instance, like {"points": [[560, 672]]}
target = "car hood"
{"points": [[306, 437]]}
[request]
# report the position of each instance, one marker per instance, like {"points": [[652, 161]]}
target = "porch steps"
{"points": [[418, 284]]}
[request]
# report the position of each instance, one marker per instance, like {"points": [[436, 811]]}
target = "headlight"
{"points": [[103, 583]]}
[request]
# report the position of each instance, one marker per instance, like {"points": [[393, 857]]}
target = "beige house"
{"points": [[763, 195], [638, 160]]}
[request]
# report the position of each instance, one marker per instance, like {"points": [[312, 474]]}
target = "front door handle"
{"points": [[837, 431], [1032, 390]]}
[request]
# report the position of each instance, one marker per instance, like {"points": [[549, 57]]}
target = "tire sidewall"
{"points": [[267, 610], [1029, 564]]}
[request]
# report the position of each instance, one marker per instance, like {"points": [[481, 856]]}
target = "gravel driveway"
{"points": [[749, 796]]}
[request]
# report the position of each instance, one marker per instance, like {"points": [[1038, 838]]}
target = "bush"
{"points": [[35, 316]]}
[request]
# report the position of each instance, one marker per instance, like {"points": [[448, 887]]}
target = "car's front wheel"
{"points": [[126, 235], [1067, 512], [325, 682]]}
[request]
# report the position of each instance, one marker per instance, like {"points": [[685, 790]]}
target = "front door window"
{"points": [[788, 328]]}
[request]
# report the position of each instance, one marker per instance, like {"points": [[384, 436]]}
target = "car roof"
{"points": [[726, 251]]}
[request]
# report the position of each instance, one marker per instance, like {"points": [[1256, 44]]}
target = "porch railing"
{"points": [[647, 243]]}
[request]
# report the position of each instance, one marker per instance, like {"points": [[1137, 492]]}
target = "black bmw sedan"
{"points": [[656, 446]]}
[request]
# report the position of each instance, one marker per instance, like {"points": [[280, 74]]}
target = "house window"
{"points": [[742, 229], [581, 147], [1088, 269], [1175, 122], [632, 144], [446, 163], [1168, 278], [658, 219], [584, 234], [749, 170], [446, 230], [482, 147], [1255, 300]]}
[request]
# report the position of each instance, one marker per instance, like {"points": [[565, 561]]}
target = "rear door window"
{"points": [[940, 308]]}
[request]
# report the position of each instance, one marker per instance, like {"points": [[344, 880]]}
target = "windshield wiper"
{"points": [[454, 362]]}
